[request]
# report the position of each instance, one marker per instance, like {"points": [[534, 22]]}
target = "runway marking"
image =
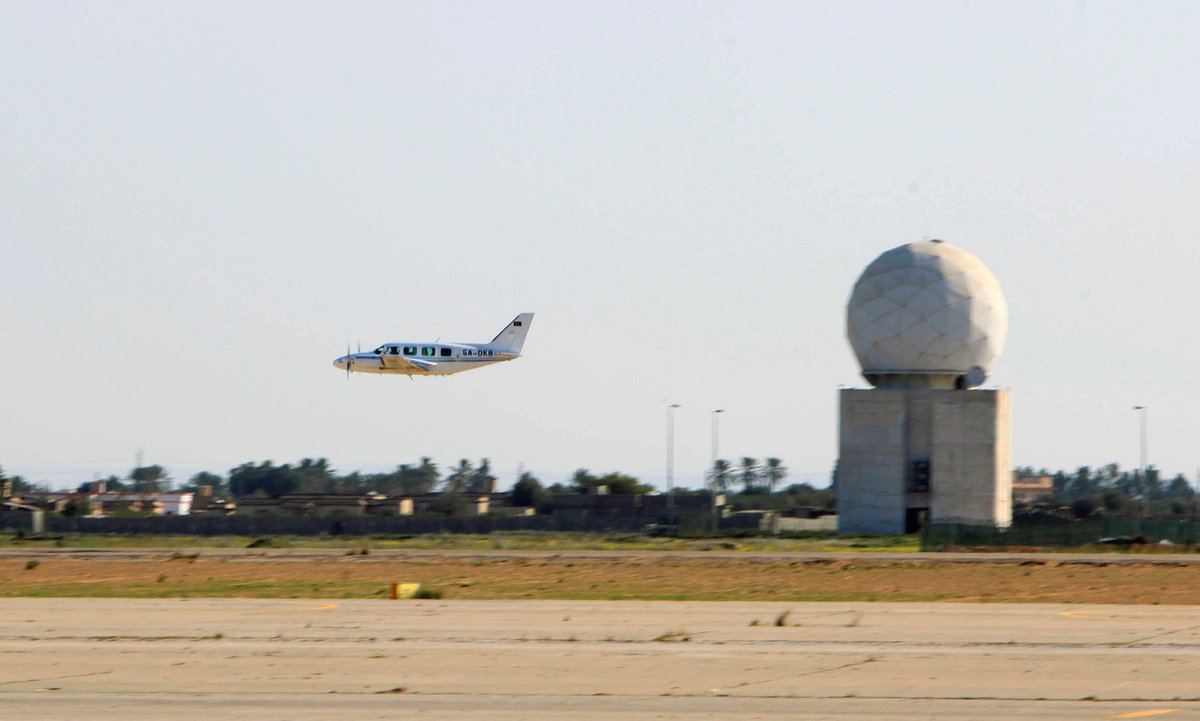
{"points": [[319, 607], [1141, 714], [289, 609], [1100, 613], [1125, 613]]}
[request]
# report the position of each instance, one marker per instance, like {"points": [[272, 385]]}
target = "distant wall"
{"points": [[1116, 531], [305, 526], [399, 525]]}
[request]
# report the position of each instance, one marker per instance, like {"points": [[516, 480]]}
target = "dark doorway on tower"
{"points": [[915, 519]]}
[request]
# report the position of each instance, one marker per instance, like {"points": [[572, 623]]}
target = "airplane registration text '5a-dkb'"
{"points": [[437, 359]]}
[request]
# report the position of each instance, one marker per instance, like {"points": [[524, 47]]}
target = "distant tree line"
{"points": [[756, 483], [316, 475], [1107, 490]]}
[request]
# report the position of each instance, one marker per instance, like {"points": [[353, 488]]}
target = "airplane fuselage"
{"points": [[399, 359]]}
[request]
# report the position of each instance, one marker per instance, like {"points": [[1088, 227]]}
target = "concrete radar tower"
{"points": [[927, 322]]}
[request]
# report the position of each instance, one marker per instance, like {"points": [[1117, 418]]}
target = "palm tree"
{"points": [[774, 473], [720, 475], [429, 474], [479, 479], [316, 476], [457, 480], [749, 475]]}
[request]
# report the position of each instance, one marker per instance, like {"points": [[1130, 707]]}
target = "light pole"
{"points": [[715, 431], [1145, 470], [1195, 493], [671, 462], [712, 484]]}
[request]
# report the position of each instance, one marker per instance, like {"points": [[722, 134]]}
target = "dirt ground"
{"points": [[166, 574]]}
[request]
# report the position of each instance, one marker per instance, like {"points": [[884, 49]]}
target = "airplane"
{"points": [[439, 359]]}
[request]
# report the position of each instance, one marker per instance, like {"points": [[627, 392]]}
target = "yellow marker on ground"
{"points": [[403, 590], [1143, 714]]}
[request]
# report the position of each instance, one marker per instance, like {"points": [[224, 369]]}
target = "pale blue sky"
{"points": [[201, 203]]}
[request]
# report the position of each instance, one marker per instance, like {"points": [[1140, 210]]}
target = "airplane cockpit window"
{"points": [[445, 352], [410, 350], [393, 350], [427, 351], [380, 350]]}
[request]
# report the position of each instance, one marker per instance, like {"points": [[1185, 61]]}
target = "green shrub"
{"points": [[428, 592]]}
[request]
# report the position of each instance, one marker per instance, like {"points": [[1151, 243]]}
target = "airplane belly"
{"points": [[460, 366], [387, 364]]}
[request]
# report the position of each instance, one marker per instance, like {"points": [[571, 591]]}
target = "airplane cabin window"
{"points": [[426, 351], [393, 350], [445, 352], [410, 350]]}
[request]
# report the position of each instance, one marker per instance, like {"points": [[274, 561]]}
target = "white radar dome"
{"points": [[927, 315]]}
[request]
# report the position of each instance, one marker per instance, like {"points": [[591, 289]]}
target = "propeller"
{"points": [[349, 360]]}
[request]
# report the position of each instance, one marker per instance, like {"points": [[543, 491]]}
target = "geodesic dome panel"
{"points": [[926, 307]]}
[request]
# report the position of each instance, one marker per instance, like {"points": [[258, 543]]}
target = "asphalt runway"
{"points": [[110, 659]]}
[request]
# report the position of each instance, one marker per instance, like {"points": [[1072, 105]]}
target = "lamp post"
{"points": [[712, 482], [1195, 493], [715, 432], [1145, 470], [671, 462]]}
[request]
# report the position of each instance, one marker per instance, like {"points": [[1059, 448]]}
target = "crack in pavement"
{"points": [[724, 691], [53, 678]]}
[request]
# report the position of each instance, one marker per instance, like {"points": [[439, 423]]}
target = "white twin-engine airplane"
{"points": [[440, 359]]}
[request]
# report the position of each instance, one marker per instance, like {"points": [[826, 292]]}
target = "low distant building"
{"points": [[325, 505], [204, 503], [213, 506], [104, 503], [1030, 488], [385, 506]]}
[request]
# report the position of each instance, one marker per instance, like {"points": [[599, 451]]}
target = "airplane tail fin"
{"points": [[512, 337]]}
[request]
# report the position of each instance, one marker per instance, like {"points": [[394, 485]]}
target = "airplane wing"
{"points": [[399, 361]]}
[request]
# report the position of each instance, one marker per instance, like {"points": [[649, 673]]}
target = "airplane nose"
{"points": [[340, 363]]}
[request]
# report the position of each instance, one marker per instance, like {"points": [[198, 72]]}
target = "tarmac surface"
{"points": [[110, 659]]}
